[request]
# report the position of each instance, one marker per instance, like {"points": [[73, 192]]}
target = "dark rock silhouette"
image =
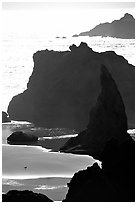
{"points": [[123, 28], [105, 139], [64, 86], [76, 35], [107, 120], [115, 182], [63, 37], [20, 137], [5, 117], [24, 196]]}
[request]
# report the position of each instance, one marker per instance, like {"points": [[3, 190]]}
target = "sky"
{"points": [[60, 18]]}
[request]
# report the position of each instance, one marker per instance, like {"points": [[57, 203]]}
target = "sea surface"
{"points": [[48, 171]]}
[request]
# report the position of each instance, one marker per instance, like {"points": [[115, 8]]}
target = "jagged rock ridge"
{"points": [[64, 86], [123, 28]]}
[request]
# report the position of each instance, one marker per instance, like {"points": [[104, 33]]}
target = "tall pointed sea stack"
{"points": [[107, 120]]}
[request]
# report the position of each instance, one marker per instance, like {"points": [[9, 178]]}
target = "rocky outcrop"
{"points": [[123, 28], [5, 117], [64, 86], [107, 120], [20, 137], [115, 182], [105, 139], [24, 196]]}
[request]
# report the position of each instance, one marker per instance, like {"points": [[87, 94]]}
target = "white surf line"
{"points": [[58, 137]]}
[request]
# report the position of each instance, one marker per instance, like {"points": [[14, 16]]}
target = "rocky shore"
{"points": [[115, 182]]}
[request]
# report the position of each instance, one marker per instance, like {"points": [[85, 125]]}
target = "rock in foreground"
{"points": [[20, 137], [122, 28], [107, 120], [24, 196], [5, 117], [64, 86]]}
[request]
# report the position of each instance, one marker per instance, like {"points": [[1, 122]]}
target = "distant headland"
{"points": [[122, 28]]}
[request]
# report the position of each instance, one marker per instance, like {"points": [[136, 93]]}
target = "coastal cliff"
{"points": [[122, 28], [65, 85]]}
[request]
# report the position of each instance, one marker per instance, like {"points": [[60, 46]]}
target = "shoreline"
{"points": [[54, 191], [55, 188]]}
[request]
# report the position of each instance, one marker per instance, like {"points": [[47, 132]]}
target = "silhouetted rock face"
{"points": [[20, 137], [115, 182], [5, 117], [107, 120], [24, 196], [123, 28], [105, 139], [64, 86]]}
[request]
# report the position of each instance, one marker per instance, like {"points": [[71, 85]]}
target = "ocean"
{"points": [[48, 171]]}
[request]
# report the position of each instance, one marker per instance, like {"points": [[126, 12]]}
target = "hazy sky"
{"points": [[60, 18], [71, 5]]}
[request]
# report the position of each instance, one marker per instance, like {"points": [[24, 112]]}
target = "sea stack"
{"points": [[64, 87], [107, 120]]}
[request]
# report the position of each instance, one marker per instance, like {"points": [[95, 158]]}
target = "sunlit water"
{"points": [[17, 62], [48, 171]]}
